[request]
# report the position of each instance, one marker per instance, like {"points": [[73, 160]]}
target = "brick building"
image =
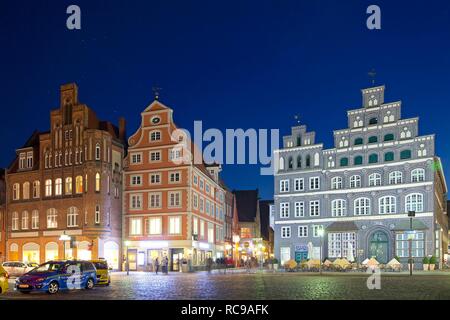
{"points": [[172, 207], [67, 181]]}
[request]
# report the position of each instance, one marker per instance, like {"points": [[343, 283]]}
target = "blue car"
{"points": [[53, 276]]}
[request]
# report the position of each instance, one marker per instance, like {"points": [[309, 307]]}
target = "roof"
{"points": [[342, 226], [246, 204], [405, 225], [264, 209]]}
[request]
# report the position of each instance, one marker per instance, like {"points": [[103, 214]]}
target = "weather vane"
{"points": [[156, 91], [372, 74]]}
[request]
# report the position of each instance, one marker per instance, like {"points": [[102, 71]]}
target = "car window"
{"points": [[87, 266], [48, 267], [7, 264], [101, 265]]}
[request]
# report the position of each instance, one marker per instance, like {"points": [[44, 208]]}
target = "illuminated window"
{"points": [[97, 182], [246, 233], [79, 184]]}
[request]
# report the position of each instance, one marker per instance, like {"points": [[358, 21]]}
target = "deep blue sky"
{"points": [[232, 64]]}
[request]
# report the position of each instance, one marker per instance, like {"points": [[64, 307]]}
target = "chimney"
{"points": [[122, 130]]}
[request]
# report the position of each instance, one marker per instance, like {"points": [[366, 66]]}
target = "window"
{"points": [[174, 199], [374, 180], [314, 208], [155, 178], [290, 163], [155, 136], [358, 122], [373, 158], [58, 187], [154, 200], [336, 183], [35, 219], [48, 188], [16, 191], [26, 190], [97, 151], [285, 232], [343, 162], [299, 184], [69, 185], [405, 154], [25, 220], [246, 233], [79, 184], [72, 217], [418, 175], [285, 254], [136, 180], [388, 137], [195, 200], [343, 142], [284, 210], [358, 160], [154, 226], [97, 182], [362, 206], [136, 158], [52, 216], [15, 221], [373, 139], [387, 205], [405, 134], [317, 229], [314, 183], [339, 244], [281, 164], [402, 245], [155, 156], [358, 141], [36, 189], [389, 156], [284, 185], [338, 208], [316, 159], [308, 161], [97, 214], [299, 209], [373, 121], [395, 177], [136, 201], [174, 225], [388, 117], [175, 154], [202, 204], [302, 231], [195, 225], [175, 177], [414, 202], [355, 181], [22, 161], [135, 227], [299, 162]]}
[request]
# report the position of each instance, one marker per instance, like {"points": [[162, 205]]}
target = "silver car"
{"points": [[18, 268]]}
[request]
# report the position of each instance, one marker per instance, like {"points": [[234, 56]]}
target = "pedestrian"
{"points": [[209, 264], [156, 265], [165, 264]]}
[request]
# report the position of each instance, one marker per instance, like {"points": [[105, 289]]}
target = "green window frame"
{"points": [[373, 158], [389, 137], [358, 141], [373, 121], [405, 154], [343, 162], [358, 160], [373, 139], [389, 156]]}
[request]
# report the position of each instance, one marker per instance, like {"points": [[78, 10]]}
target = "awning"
{"points": [[405, 225], [342, 226]]}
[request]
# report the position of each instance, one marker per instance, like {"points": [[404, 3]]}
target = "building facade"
{"points": [[67, 181], [2, 216], [353, 200], [173, 207]]}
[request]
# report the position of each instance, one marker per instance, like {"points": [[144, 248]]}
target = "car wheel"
{"points": [[90, 284], [53, 287]]}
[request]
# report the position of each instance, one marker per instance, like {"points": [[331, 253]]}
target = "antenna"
{"points": [[372, 74], [156, 91], [297, 118]]}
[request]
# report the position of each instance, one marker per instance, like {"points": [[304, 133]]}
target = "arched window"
{"points": [[299, 162], [316, 159], [26, 190], [343, 162], [79, 184], [16, 191], [290, 163], [281, 165], [405, 154], [97, 214], [299, 141], [69, 185], [389, 156], [361, 206], [338, 208], [58, 187], [15, 221], [373, 158], [72, 217], [387, 205], [36, 189], [355, 181], [374, 180], [418, 175], [308, 161], [388, 137], [35, 219], [395, 177], [97, 182], [373, 121], [97, 151], [373, 139], [155, 136], [358, 141], [358, 160], [25, 220], [336, 183], [405, 134], [48, 188], [414, 202], [343, 142], [52, 218], [358, 122]]}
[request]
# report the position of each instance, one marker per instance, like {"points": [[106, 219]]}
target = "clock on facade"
{"points": [[156, 120]]}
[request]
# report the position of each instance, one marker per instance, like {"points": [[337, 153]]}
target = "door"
{"points": [[176, 259], [132, 259], [379, 246]]}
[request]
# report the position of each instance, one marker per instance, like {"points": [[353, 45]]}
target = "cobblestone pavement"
{"points": [[256, 286]]}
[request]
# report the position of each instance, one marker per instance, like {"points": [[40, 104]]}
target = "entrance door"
{"points": [[176, 260], [379, 246], [132, 258]]}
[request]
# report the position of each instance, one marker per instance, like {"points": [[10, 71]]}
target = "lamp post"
{"points": [[320, 233], [411, 215], [64, 238], [127, 244]]}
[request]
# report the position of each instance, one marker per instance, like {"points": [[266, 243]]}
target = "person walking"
{"points": [[156, 265], [165, 265]]}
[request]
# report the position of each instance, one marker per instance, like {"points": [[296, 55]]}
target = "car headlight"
{"points": [[40, 279]]}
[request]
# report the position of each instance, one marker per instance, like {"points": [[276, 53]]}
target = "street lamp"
{"points": [[64, 238], [411, 215], [127, 244], [320, 233]]}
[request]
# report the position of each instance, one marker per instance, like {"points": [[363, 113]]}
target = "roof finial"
{"points": [[297, 118], [372, 74], [156, 90]]}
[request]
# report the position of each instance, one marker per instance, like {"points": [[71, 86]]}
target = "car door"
{"points": [[21, 268]]}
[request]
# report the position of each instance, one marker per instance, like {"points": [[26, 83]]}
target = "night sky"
{"points": [[233, 64]]}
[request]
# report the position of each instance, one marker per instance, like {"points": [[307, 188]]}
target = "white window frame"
{"points": [[284, 210], [299, 184], [303, 231], [314, 208], [314, 183], [154, 225], [155, 200], [136, 202], [285, 232], [338, 208], [284, 185], [418, 175], [414, 202], [387, 205], [361, 206], [395, 177], [355, 181], [135, 226], [374, 180], [299, 209], [337, 183], [174, 225]]}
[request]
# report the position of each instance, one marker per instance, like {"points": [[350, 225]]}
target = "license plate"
{"points": [[23, 286]]}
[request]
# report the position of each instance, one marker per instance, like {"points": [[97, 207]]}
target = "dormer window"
{"points": [[30, 159], [26, 160], [22, 161]]}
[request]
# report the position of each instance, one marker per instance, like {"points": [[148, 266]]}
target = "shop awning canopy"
{"points": [[341, 226], [405, 225]]}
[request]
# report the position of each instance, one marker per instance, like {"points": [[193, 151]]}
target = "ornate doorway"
{"points": [[379, 246]]}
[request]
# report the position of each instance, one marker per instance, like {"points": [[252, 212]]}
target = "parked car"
{"points": [[18, 268], [53, 276], [102, 268], [3, 280]]}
